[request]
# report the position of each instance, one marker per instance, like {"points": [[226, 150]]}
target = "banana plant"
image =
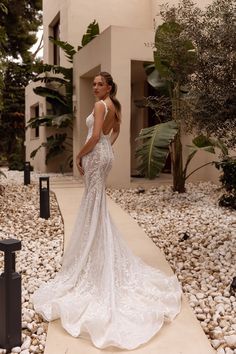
{"points": [[174, 60], [58, 91], [155, 147]]}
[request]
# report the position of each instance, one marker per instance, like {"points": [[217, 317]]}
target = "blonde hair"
{"points": [[109, 80]]}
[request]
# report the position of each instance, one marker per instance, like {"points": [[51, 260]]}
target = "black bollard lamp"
{"points": [[44, 197], [26, 173], [10, 297]]}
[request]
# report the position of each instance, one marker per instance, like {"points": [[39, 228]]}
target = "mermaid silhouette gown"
{"points": [[102, 289]]}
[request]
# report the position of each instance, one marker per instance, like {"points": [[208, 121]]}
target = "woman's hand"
{"points": [[79, 165]]}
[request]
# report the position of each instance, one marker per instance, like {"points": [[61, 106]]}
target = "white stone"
{"points": [[215, 343], [40, 330], [229, 351], [26, 351], [26, 343], [231, 340], [16, 350]]}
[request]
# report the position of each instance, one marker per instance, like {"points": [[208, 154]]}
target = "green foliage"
{"points": [[68, 49], [92, 32], [54, 97], [2, 174], [20, 20], [174, 56], [194, 66], [228, 180], [58, 91], [155, 147], [212, 30], [56, 144], [174, 60], [203, 143], [12, 120]]}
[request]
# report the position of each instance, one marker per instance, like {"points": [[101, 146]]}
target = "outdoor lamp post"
{"points": [[44, 197], [26, 173], [10, 297]]}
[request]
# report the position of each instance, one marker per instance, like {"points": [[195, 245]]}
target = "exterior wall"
{"points": [[105, 54], [76, 15], [32, 143], [126, 26], [57, 165]]}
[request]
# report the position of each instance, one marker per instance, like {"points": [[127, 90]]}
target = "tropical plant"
{"points": [[174, 59], [212, 31], [181, 71], [58, 91], [2, 174], [12, 119], [91, 33], [228, 180], [19, 20]]}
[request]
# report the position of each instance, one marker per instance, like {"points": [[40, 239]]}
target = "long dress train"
{"points": [[103, 289]]}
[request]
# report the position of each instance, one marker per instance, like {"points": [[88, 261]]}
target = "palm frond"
{"points": [[92, 32], [68, 49], [63, 120], [50, 93]]}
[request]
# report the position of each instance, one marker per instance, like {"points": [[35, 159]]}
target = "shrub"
{"points": [[228, 180]]}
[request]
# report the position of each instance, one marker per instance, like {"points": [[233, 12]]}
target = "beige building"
{"points": [[127, 31]]}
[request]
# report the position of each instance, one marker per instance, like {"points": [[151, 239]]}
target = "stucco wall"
{"points": [[113, 51], [31, 99], [58, 164], [76, 15]]}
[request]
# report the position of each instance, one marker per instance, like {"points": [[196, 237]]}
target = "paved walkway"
{"points": [[183, 336]]}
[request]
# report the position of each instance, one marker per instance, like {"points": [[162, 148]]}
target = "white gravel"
{"points": [[41, 252], [198, 239], [205, 262]]}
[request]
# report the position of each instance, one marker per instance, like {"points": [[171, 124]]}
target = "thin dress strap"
{"points": [[106, 108]]}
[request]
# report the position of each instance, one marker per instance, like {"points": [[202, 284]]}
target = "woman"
{"points": [[102, 289]]}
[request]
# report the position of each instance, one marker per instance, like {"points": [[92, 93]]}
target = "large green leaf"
{"points": [[37, 121], [41, 68], [92, 32], [50, 94], [155, 147], [55, 146], [34, 152], [174, 56], [51, 79], [68, 49], [203, 143], [63, 120], [3, 8], [2, 174]]}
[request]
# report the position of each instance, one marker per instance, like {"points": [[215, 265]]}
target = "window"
{"points": [[34, 113], [56, 49], [36, 116]]}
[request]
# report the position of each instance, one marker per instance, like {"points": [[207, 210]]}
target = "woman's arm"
{"points": [[99, 112], [115, 132]]}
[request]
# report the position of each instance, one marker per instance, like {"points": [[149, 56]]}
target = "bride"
{"points": [[102, 289]]}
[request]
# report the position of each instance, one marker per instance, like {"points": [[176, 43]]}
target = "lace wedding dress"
{"points": [[102, 289]]}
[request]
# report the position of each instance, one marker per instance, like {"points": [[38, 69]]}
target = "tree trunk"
{"points": [[177, 153], [177, 161]]}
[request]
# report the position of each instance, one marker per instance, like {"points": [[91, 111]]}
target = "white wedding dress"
{"points": [[102, 289]]}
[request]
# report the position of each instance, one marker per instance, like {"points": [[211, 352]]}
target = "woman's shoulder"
{"points": [[100, 105]]}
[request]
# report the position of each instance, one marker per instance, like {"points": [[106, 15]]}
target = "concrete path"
{"points": [[183, 336]]}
